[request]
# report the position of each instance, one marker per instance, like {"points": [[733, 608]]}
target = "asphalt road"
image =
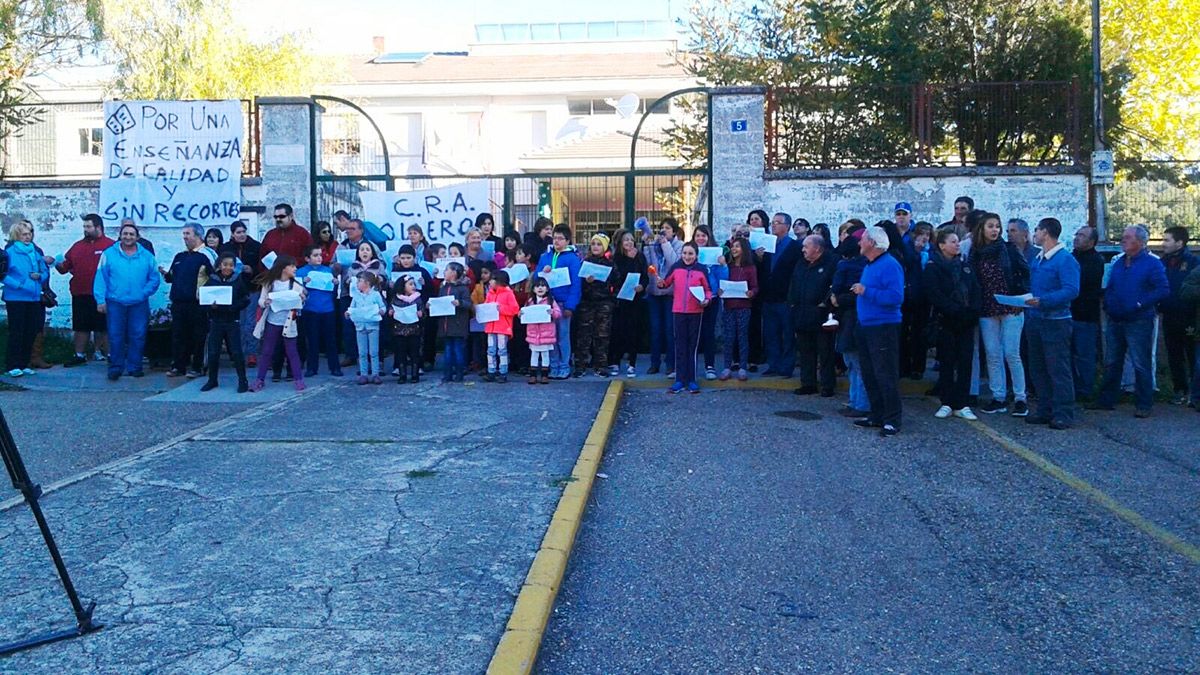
{"points": [[728, 539]]}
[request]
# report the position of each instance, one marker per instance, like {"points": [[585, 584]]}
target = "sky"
{"points": [[347, 26]]}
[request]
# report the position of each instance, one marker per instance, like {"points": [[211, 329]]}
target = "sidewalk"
{"points": [[371, 529]]}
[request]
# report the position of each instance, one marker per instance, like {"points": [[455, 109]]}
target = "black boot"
{"points": [[243, 384], [212, 376]]}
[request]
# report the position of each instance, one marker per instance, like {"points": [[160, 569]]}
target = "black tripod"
{"points": [[20, 481]]}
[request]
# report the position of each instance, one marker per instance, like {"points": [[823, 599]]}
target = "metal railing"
{"points": [[893, 125], [1157, 194], [65, 141]]}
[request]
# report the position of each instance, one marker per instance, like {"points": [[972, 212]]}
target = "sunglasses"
{"points": [[280, 217]]}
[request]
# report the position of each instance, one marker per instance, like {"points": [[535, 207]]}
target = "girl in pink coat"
{"points": [[541, 336], [691, 295]]}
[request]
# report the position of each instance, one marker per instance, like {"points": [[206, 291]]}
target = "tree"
{"points": [[193, 49]]}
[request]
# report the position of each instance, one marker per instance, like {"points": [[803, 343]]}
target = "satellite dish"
{"points": [[626, 106]]}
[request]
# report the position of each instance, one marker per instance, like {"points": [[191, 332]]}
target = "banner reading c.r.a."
{"points": [[167, 163], [444, 214]]}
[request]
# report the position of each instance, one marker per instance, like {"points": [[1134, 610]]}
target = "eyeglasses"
{"points": [[280, 217]]}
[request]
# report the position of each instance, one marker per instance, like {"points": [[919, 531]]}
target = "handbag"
{"points": [[49, 297]]}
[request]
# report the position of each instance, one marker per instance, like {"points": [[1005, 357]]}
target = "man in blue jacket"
{"points": [[561, 254], [880, 294], [125, 280], [1054, 283], [1137, 284]]}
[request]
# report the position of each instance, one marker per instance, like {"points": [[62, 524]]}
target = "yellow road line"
{"points": [[1144, 525], [522, 637]]}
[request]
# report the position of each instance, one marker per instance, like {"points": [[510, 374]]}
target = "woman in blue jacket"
{"points": [[127, 277], [27, 272]]}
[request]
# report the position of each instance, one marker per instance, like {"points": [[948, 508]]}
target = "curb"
{"points": [[518, 647], [907, 387]]}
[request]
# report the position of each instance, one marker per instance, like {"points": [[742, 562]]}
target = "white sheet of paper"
{"points": [[1013, 300], [281, 300], [764, 241], [487, 312], [321, 281], [364, 314], [698, 292], [442, 263], [558, 277], [345, 256], [627, 291], [734, 289], [596, 271], [709, 255], [535, 314], [269, 259], [442, 306], [406, 315], [216, 295], [517, 273]]}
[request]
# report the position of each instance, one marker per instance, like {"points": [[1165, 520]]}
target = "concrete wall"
{"points": [[832, 197], [738, 161]]}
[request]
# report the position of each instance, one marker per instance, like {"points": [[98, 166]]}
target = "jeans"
{"points": [[1050, 366], [189, 325], [879, 351], [858, 391], [1084, 338], [1002, 340], [23, 326], [779, 338], [816, 359], [736, 330], [127, 326], [497, 353], [455, 360], [1180, 346], [272, 336], [320, 331], [708, 333], [955, 350], [1132, 338], [687, 341], [367, 343], [662, 336], [560, 356]]}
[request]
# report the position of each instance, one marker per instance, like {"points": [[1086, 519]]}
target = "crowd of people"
{"points": [[996, 301]]}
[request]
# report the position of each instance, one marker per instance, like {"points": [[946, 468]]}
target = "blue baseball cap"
{"points": [[903, 206]]}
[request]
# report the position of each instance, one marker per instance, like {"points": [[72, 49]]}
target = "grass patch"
{"points": [[562, 481], [421, 473]]}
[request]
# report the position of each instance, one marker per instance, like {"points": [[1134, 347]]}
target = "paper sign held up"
{"points": [[531, 314], [442, 306], [216, 295], [487, 312]]}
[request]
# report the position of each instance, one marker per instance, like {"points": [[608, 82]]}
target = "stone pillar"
{"points": [[738, 160], [290, 134]]}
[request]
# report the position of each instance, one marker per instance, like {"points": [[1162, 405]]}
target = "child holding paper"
{"points": [[406, 330], [500, 331], [562, 255], [703, 238], [318, 321], [278, 324], [367, 260], [518, 349], [691, 295], [541, 337], [366, 311], [476, 340], [407, 262], [223, 322], [454, 329], [596, 305], [627, 322], [735, 322]]}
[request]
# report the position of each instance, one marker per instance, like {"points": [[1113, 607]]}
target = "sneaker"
{"points": [[743, 375], [601, 372], [193, 374], [670, 374], [806, 390], [99, 356], [675, 388], [1140, 414], [31, 371], [866, 423], [631, 372], [614, 371], [362, 379], [966, 414], [258, 385], [693, 387], [726, 374], [207, 386], [502, 378], [1182, 399], [395, 372], [710, 373], [174, 373], [489, 377], [77, 360], [15, 372], [652, 371], [300, 386], [1020, 409], [888, 430], [374, 380], [993, 407], [944, 412]]}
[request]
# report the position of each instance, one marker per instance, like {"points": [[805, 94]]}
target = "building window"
{"points": [[91, 142], [598, 106], [341, 136]]}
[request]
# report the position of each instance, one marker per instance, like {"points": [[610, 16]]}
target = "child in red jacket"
{"points": [[499, 331], [691, 296]]}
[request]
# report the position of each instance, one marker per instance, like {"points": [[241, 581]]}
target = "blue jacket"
{"points": [[1054, 282], [1134, 290], [1178, 266], [125, 279], [566, 296], [317, 301], [884, 280], [18, 287]]}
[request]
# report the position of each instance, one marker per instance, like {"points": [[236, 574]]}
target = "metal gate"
{"points": [[349, 164]]}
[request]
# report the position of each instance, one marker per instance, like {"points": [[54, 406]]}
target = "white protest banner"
{"points": [[168, 163], [444, 214]]}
